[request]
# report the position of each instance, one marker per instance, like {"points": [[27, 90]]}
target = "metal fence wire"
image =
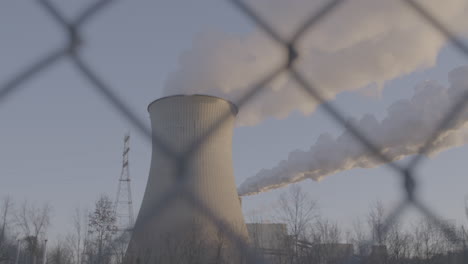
{"points": [[71, 51]]}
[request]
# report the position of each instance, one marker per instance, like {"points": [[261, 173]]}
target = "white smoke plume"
{"points": [[405, 129], [362, 44], [359, 47]]}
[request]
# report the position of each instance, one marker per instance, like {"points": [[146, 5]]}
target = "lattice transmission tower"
{"points": [[123, 200]]}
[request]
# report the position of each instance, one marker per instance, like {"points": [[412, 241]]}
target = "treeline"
{"points": [[312, 238], [93, 237], [308, 237]]}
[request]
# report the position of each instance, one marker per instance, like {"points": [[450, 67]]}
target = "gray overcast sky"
{"points": [[61, 142]]}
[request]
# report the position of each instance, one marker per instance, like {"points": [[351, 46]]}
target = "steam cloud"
{"points": [[405, 129], [359, 47]]}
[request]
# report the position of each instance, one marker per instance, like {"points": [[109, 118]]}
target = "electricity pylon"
{"points": [[123, 200]]}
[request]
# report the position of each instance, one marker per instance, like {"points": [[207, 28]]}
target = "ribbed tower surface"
{"points": [[198, 131]]}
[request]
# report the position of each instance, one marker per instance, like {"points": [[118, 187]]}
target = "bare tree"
{"points": [[376, 221], [298, 210], [119, 245], [76, 239], [326, 232], [102, 227], [398, 244], [61, 253], [33, 222], [326, 248], [4, 214], [360, 237], [5, 211], [428, 241]]}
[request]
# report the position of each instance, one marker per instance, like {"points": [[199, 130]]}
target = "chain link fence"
{"points": [[71, 51]]}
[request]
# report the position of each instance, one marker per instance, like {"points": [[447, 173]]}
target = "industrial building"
{"points": [[196, 172], [267, 237]]}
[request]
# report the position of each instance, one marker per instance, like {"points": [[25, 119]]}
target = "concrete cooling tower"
{"points": [[178, 232]]}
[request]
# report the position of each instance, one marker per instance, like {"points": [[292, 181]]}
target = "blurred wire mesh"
{"points": [[71, 51]]}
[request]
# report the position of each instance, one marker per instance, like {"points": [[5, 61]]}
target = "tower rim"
{"points": [[234, 106]]}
